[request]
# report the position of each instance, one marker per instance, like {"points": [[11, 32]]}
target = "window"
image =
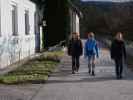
{"points": [[27, 26], [14, 20]]}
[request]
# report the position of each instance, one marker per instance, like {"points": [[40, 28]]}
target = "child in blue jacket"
{"points": [[91, 51]]}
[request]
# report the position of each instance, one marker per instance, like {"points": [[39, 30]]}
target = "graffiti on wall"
{"points": [[12, 48], [2, 42]]}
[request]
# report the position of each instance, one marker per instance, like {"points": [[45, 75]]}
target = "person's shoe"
{"points": [[93, 73], [120, 76], [73, 72], [77, 69], [89, 71]]}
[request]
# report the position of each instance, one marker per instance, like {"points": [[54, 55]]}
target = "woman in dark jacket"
{"points": [[118, 52], [75, 49]]}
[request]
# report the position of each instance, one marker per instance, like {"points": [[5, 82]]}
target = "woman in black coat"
{"points": [[75, 49], [118, 52]]}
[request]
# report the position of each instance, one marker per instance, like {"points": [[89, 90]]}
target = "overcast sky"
{"points": [[109, 0]]}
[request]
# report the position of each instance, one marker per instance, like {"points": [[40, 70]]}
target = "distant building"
{"points": [[75, 15], [62, 19], [17, 36]]}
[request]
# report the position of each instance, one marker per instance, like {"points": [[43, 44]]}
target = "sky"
{"points": [[109, 0]]}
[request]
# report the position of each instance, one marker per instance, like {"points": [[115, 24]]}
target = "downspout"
{"points": [[37, 30]]}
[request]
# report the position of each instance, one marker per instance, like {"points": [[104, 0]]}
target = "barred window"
{"points": [[27, 25], [14, 20]]}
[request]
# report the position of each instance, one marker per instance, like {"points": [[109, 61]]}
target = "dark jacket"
{"points": [[75, 48], [118, 50]]}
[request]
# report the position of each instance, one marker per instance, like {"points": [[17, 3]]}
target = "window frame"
{"points": [[27, 22], [14, 18]]}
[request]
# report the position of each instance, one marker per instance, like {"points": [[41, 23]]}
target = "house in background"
{"points": [[75, 16], [17, 37], [62, 19]]}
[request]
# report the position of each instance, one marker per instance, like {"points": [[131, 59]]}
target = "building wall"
{"points": [[77, 24], [15, 48]]}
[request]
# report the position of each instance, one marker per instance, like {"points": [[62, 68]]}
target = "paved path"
{"points": [[62, 85]]}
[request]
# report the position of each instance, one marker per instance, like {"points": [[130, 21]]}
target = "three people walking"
{"points": [[91, 51]]}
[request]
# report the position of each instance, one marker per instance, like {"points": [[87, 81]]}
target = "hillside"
{"points": [[106, 17]]}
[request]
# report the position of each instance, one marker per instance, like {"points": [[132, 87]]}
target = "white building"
{"points": [[75, 16], [17, 36], [75, 22]]}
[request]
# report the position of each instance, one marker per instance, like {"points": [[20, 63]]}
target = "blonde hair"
{"points": [[91, 34]]}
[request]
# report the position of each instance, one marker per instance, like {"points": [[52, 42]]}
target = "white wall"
{"points": [[74, 21], [77, 24], [14, 48]]}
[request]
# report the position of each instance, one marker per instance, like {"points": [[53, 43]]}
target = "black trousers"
{"points": [[119, 67], [75, 63]]}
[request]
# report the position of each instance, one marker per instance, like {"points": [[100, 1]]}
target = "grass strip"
{"points": [[35, 70]]}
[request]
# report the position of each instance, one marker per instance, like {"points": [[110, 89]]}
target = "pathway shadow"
{"points": [[84, 78]]}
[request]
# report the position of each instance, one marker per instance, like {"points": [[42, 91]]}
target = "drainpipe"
{"points": [[37, 31]]}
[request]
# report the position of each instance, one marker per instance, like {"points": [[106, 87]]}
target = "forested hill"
{"points": [[106, 17], [103, 5]]}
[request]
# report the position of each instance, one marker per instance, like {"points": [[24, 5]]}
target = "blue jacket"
{"points": [[91, 48]]}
